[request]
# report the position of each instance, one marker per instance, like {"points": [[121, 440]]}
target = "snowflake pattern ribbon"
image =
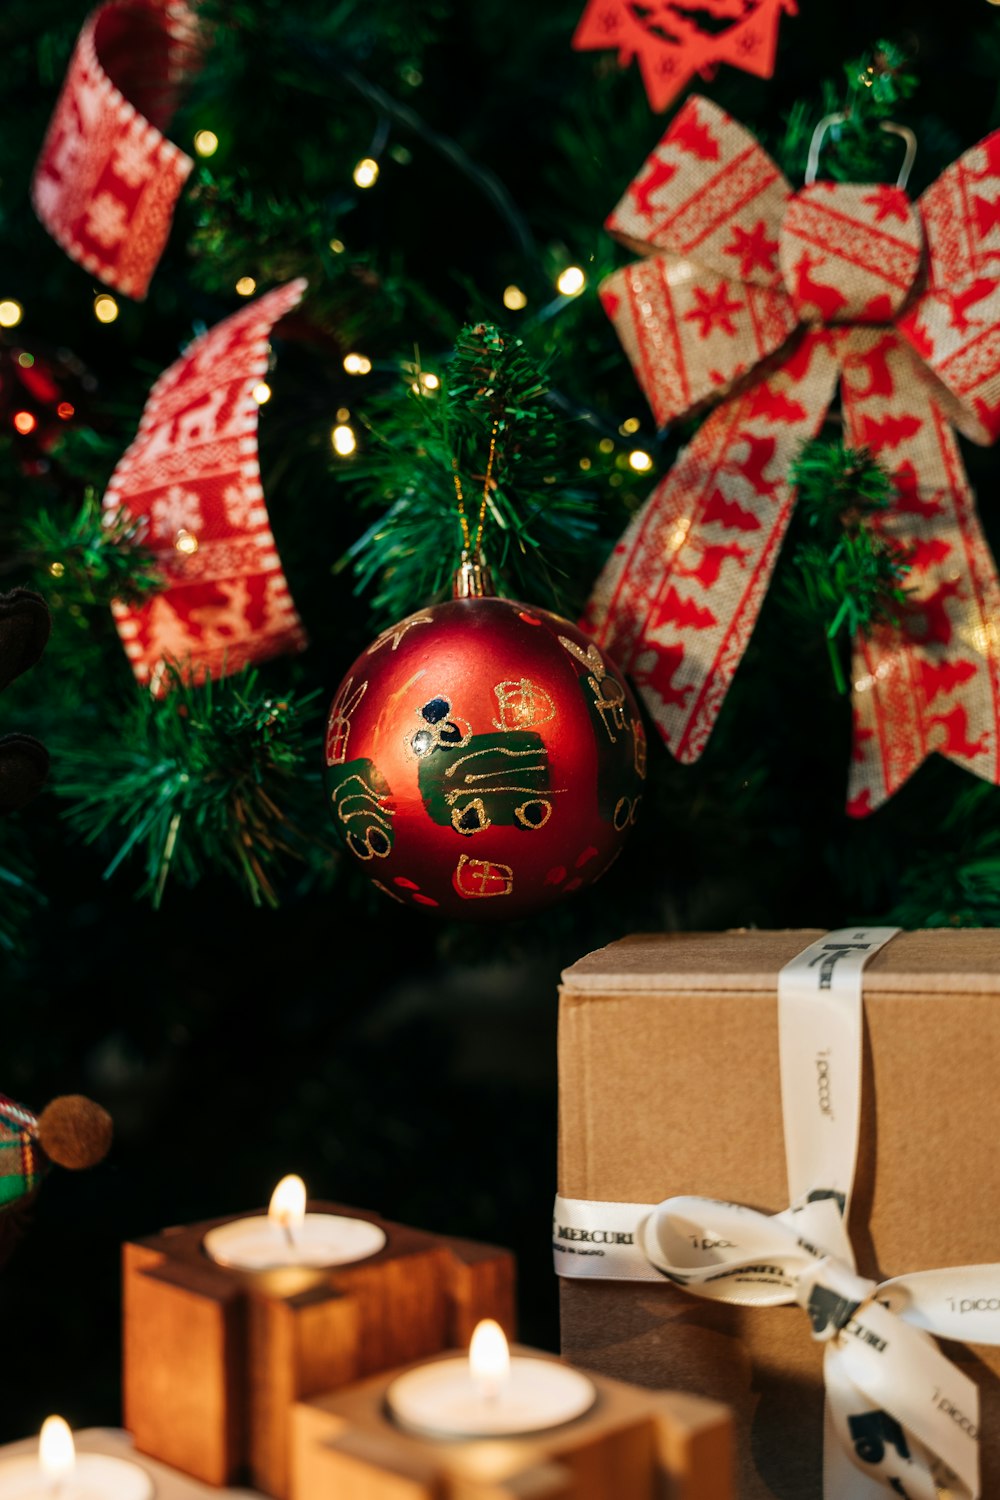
{"points": [[193, 474], [107, 178], [768, 299]]}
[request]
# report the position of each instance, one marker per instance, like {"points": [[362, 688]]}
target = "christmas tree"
{"points": [[183, 932]]}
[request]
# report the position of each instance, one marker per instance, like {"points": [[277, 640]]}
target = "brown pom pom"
{"points": [[75, 1132]]}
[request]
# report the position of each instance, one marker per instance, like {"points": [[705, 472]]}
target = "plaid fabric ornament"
{"points": [[71, 1132], [23, 1163]]}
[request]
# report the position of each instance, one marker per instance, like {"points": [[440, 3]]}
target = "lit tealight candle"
{"points": [[287, 1236], [489, 1394], [58, 1472]]}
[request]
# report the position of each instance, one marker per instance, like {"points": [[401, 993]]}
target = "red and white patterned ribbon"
{"points": [[107, 178], [767, 299], [193, 472]]}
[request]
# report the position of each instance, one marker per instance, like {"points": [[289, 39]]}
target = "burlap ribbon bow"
{"points": [[767, 298]]}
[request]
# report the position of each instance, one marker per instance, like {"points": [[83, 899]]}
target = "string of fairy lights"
{"points": [[569, 283]]}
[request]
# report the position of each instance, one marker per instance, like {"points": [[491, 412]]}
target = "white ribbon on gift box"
{"points": [[899, 1415]]}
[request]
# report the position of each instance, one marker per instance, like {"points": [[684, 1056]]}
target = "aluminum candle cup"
{"points": [[58, 1472], [488, 1394], [287, 1236]]}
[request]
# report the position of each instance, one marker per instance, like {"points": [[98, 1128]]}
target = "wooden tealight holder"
{"points": [[633, 1444], [215, 1358]]}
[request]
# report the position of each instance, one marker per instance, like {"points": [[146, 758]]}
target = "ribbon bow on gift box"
{"points": [[900, 1416], [767, 298]]}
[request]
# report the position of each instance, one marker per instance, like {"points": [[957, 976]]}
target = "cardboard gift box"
{"points": [[669, 1085]]}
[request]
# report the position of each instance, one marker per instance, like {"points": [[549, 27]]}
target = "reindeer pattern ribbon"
{"points": [[193, 475], [900, 1416], [767, 299]]}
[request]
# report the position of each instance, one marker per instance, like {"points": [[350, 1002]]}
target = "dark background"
{"points": [[398, 1064]]}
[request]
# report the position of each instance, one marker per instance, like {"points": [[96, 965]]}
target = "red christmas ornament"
{"points": [[675, 39], [484, 759]]}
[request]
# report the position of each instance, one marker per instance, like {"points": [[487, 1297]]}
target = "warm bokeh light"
{"points": [[366, 172], [246, 286], [105, 308], [56, 1451], [261, 392], [186, 543], [357, 364], [514, 298], [288, 1203], [65, 410], [11, 313], [343, 439], [25, 422], [337, 246], [25, 360], [571, 281], [630, 425], [640, 460], [206, 142], [489, 1358]]}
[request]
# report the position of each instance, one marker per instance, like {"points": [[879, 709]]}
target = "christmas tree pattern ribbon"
{"points": [[900, 1416], [762, 300], [193, 474], [107, 178]]}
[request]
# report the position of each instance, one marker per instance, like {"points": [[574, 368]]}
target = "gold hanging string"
{"points": [[470, 546]]}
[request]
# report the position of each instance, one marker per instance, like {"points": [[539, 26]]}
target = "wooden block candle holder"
{"points": [[215, 1357], [633, 1444]]}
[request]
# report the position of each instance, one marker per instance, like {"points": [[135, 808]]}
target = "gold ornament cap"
{"points": [[473, 579]]}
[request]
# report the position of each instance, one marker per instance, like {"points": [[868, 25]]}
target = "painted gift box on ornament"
{"points": [[710, 1135]]}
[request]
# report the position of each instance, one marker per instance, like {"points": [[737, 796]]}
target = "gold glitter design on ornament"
{"points": [[485, 871], [626, 811], [338, 733], [639, 748], [521, 813], [395, 633], [459, 814], [501, 785], [609, 694], [369, 805], [394, 894], [522, 705], [438, 731]]}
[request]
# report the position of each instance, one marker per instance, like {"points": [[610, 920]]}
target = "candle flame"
{"points": [[489, 1358], [56, 1453], [287, 1208]]}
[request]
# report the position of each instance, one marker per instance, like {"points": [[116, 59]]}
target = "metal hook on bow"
{"points": [[827, 123]]}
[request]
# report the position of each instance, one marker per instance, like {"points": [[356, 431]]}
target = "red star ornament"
{"points": [[675, 39]]}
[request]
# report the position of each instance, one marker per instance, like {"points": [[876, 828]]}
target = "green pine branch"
{"points": [[216, 776], [19, 894], [439, 428], [957, 883], [90, 558], [848, 574], [875, 88]]}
